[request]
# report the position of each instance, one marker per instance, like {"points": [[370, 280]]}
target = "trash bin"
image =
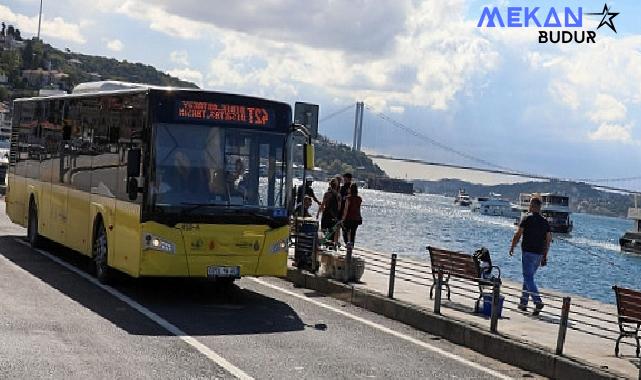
{"points": [[306, 242], [487, 305]]}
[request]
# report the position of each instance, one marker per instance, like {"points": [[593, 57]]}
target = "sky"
{"points": [[567, 110]]}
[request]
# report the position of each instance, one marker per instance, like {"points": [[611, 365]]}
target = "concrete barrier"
{"points": [[507, 349]]}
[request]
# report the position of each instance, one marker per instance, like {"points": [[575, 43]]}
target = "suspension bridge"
{"points": [[469, 161]]}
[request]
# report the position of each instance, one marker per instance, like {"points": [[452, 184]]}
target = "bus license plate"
{"points": [[223, 272]]}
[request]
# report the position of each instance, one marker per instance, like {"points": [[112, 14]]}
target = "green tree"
{"points": [[4, 93]]}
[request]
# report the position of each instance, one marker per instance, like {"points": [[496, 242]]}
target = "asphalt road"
{"points": [[56, 322]]}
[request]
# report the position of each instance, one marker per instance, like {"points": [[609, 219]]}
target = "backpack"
{"points": [[483, 262]]}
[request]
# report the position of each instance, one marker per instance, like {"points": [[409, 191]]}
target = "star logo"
{"points": [[607, 17]]}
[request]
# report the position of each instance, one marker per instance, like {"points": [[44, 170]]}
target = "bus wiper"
{"points": [[196, 206], [271, 221]]}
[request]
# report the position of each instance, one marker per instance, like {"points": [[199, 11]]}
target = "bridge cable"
{"points": [[336, 113], [447, 148], [503, 169]]}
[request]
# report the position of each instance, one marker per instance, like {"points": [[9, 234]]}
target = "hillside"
{"points": [[337, 158], [583, 197], [73, 68]]}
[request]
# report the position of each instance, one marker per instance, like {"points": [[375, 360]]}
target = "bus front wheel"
{"points": [[100, 254], [34, 237]]}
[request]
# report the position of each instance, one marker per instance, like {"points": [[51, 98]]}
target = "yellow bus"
{"points": [[155, 181]]}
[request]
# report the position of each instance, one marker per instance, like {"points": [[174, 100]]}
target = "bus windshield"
{"points": [[204, 165]]}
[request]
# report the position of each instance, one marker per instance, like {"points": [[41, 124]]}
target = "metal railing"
{"points": [[559, 310]]}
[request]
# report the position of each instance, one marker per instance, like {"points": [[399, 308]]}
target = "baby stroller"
{"points": [[327, 237]]}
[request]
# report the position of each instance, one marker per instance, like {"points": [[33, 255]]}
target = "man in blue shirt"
{"points": [[537, 237]]}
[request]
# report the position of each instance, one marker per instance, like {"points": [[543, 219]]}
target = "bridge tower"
{"points": [[358, 126]]}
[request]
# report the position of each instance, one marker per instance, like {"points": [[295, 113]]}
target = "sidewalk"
{"points": [[598, 322]]}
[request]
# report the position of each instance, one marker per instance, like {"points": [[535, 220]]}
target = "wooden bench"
{"points": [[629, 311], [458, 265]]}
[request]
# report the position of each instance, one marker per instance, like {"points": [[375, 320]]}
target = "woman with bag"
{"points": [[329, 208], [351, 215]]}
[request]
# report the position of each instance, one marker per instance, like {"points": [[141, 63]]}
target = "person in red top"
{"points": [[351, 215]]}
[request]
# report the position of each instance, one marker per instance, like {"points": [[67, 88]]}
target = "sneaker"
{"points": [[522, 307], [538, 308]]}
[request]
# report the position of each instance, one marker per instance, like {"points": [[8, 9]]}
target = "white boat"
{"points": [[496, 206], [476, 203], [555, 209], [462, 198]]}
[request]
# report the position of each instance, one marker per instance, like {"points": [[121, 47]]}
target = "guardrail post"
{"points": [[348, 263], [563, 325], [437, 294], [496, 294], [392, 276]]}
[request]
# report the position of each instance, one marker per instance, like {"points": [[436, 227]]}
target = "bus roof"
{"points": [[101, 88]]}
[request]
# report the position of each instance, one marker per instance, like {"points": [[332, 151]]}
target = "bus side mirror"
{"points": [[132, 188], [133, 163], [309, 157]]}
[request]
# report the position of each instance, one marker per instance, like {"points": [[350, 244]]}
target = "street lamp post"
{"points": [[39, 20]]}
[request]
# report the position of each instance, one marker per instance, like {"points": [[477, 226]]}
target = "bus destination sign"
{"points": [[227, 113]]}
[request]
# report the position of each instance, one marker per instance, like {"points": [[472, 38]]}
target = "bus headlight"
{"points": [[158, 244], [279, 246]]}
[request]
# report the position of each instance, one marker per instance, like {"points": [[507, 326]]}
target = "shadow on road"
{"points": [[196, 307]]}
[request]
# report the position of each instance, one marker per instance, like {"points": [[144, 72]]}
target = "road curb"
{"points": [[522, 354]]}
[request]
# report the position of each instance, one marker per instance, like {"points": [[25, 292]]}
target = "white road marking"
{"points": [[386, 330], [209, 353]]}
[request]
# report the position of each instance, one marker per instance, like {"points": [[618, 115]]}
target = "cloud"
{"points": [[383, 52], [361, 26], [612, 132], [161, 20], [115, 45], [55, 27], [599, 82], [179, 57], [188, 74], [607, 108]]}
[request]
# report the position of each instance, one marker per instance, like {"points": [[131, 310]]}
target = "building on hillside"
{"points": [[40, 78], [5, 121], [8, 42]]}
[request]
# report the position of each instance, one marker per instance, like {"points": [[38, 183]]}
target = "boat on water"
{"points": [[497, 206], [476, 203], [462, 199], [631, 240], [555, 208]]}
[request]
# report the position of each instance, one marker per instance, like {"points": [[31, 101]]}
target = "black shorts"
{"points": [[328, 223]]}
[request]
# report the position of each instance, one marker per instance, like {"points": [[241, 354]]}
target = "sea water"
{"points": [[586, 262]]}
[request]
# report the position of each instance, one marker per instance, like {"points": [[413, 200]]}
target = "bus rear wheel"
{"points": [[35, 240], [100, 255]]}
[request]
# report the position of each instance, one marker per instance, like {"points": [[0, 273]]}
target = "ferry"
{"points": [[555, 208], [631, 240], [496, 206], [462, 198]]}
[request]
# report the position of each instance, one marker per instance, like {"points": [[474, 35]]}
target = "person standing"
{"points": [[344, 190], [352, 215], [329, 208], [306, 190], [537, 237]]}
